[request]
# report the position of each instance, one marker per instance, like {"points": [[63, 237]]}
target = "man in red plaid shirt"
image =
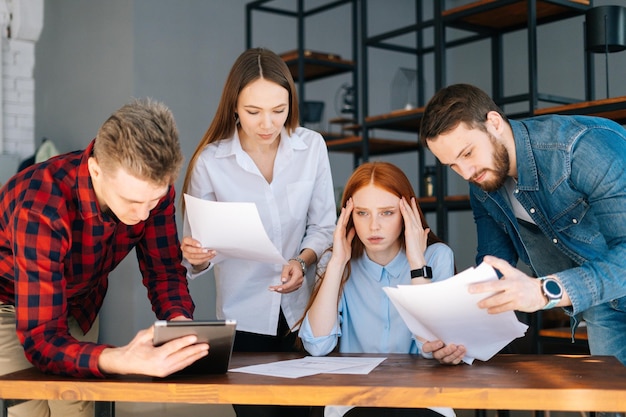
{"points": [[65, 224]]}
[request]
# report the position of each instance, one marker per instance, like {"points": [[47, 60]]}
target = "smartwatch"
{"points": [[552, 290], [423, 272]]}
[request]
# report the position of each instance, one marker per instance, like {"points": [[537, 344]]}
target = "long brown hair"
{"points": [[383, 175], [250, 66]]}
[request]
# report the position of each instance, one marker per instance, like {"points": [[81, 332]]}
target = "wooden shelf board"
{"points": [[611, 108], [399, 120], [330, 136], [449, 198], [377, 146], [409, 120], [316, 64], [509, 15], [564, 333], [452, 202], [353, 128], [342, 121], [347, 126]]}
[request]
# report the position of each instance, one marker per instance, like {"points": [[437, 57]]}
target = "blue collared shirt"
{"points": [[367, 321]]}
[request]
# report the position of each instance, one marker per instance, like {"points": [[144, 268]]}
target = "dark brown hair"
{"points": [[250, 66], [455, 104]]}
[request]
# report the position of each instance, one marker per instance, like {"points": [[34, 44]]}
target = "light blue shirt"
{"points": [[367, 321]]}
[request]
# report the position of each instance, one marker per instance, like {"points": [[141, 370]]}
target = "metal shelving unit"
{"points": [[307, 65], [480, 20]]}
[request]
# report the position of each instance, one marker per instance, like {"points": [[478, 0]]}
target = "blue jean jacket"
{"points": [[572, 182]]}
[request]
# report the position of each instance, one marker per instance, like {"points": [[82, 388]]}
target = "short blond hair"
{"points": [[142, 138]]}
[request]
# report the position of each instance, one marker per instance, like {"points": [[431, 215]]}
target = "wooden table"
{"points": [[511, 382]]}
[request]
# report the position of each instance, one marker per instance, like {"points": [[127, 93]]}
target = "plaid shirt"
{"points": [[57, 249]]}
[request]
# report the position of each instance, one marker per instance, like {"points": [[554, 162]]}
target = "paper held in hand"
{"points": [[233, 230], [446, 311]]}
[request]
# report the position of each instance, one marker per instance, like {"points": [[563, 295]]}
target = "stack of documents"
{"points": [[446, 311]]}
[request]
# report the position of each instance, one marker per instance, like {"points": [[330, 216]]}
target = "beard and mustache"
{"points": [[502, 165]]}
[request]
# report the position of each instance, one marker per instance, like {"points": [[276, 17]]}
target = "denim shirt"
{"points": [[572, 182]]}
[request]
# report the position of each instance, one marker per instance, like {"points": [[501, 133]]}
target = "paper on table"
{"points": [[312, 365], [234, 230], [348, 365], [446, 311]]}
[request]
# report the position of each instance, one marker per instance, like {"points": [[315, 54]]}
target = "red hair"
{"points": [[388, 177], [383, 175]]}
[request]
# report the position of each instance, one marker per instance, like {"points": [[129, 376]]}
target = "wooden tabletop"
{"points": [[513, 382]]}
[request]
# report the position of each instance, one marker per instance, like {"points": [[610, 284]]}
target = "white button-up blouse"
{"points": [[297, 210]]}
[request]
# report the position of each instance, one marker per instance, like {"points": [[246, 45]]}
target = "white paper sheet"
{"points": [[312, 365], [234, 230], [446, 311]]}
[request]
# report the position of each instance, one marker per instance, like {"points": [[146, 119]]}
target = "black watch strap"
{"points": [[423, 272]]}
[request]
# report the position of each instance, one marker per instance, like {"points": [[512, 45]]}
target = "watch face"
{"points": [[552, 288], [428, 272]]}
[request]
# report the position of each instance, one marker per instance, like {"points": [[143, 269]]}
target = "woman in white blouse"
{"points": [[255, 151]]}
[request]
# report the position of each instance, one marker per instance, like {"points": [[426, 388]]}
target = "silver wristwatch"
{"points": [[302, 264], [552, 290]]}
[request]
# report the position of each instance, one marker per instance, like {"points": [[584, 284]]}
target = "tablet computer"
{"points": [[219, 334]]}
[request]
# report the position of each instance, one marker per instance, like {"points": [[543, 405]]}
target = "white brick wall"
{"points": [[21, 22]]}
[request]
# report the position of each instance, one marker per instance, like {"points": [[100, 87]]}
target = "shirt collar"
{"points": [[394, 268], [527, 176], [232, 146], [86, 196], [295, 140]]}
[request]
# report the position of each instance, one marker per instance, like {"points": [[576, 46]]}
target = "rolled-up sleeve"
{"points": [[321, 345]]}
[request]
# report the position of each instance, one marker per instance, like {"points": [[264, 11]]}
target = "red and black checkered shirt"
{"points": [[57, 249]]}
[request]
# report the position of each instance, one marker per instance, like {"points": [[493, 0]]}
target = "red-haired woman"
{"points": [[381, 239]]}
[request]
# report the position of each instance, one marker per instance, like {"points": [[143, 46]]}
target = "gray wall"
{"points": [[93, 57]]}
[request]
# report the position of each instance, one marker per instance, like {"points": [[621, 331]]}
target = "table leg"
{"points": [[5, 404], [102, 409]]}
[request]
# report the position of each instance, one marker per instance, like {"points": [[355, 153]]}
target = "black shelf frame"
{"points": [[459, 18], [409, 121], [531, 14], [301, 13]]}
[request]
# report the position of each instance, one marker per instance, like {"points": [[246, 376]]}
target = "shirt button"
{"points": [[555, 241], [532, 210], [516, 191], [575, 221]]}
